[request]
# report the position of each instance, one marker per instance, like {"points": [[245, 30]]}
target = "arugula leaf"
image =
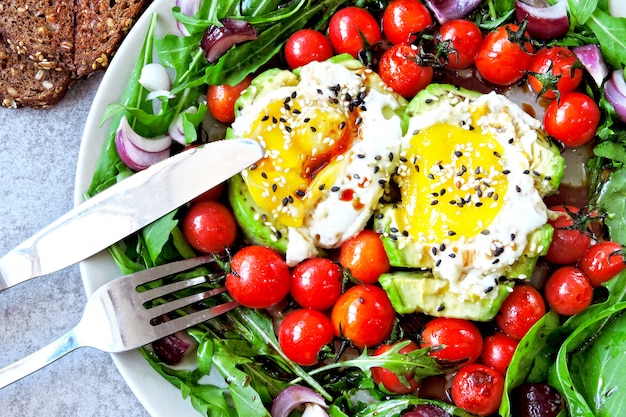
{"points": [[611, 33], [612, 200], [582, 10]]}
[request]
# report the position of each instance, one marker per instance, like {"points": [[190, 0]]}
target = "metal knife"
{"points": [[126, 207]]}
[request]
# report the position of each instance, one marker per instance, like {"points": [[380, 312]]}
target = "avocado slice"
{"points": [[413, 287], [420, 292]]}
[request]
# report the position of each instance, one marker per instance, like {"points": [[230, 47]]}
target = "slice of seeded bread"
{"points": [[100, 27], [46, 44]]}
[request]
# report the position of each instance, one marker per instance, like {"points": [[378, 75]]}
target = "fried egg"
{"points": [[331, 133], [469, 191]]}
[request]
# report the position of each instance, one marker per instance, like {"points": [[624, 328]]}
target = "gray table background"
{"points": [[38, 155]]}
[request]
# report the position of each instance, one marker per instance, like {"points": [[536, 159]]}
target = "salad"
{"points": [[350, 306]]}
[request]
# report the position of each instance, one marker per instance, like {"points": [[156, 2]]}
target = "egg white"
{"points": [[364, 169]]}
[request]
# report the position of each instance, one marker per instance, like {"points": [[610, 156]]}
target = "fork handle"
{"points": [[37, 360]]}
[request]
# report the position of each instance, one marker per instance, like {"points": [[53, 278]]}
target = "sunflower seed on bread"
{"points": [[45, 45]]}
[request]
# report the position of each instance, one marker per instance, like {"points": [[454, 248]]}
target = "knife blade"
{"points": [[126, 207]]}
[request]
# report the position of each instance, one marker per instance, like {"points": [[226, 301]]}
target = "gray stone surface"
{"points": [[38, 154]]}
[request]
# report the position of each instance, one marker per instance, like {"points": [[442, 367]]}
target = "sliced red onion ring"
{"points": [[593, 61], [615, 93], [217, 40], [154, 77], [294, 396], [545, 21], [176, 130], [188, 8], [446, 10], [135, 156]]}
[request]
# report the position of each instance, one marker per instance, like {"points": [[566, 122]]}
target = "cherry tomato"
{"points": [[568, 244], [498, 350], [364, 256], [399, 69], [460, 339], [351, 29], [520, 311], [502, 61], [402, 18], [303, 333], [259, 277], [478, 389], [316, 283], [388, 378], [573, 119], [568, 291], [211, 195], [209, 227], [307, 45], [363, 315], [426, 410], [561, 68], [221, 99], [465, 38], [602, 261]]}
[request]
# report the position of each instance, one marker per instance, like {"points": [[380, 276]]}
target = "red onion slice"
{"points": [[217, 40], [156, 144], [188, 8], [593, 61], [615, 93], [292, 397], [133, 156], [446, 10], [544, 21], [174, 348]]}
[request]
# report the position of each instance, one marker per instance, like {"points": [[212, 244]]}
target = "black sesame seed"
{"points": [[458, 154], [536, 173], [379, 216], [313, 129], [405, 233], [358, 121], [294, 94], [319, 91], [453, 202], [342, 125], [264, 175], [496, 197], [288, 129], [321, 187], [274, 120], [485, 232], [488, 289], [452, 255], [431, 176], [274, 187], [434, 202], [278, 234], [296, 111], [442, 247], [390, 156], [290, 199], [438, 262], [393, 237], [512, 236], [511, 141], [451, 233], [547, 178], [441, 307], [287, 107], [265, 118], [497, 154], [518, 189], [506, 171], [471, 127], [356, 176], [479, 204], [300, 193], [498, 251], [306, 120], [526, 172], [442, 192], [334, 188], [362, 108], [285, 201], [495, 261], [287, 100], [376, 169], [433, 250]]}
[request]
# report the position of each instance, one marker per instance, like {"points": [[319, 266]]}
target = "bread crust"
{"points": [[45, 45]]}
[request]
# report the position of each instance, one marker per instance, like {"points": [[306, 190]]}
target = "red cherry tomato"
{"points": [[568, 291], [602, 261], [351, 29], [259, 277], [478, 389], [460, 339], [402, 18], [567, 244], [498, 350], [573, 119], [210, 227], [465, 38], [388, 378], [399, 69], [307, 45], [221, 99], [363, 315], [520, 311], [364, 256], [316, 283], [561, 64], [303, 333], [502, 61]]}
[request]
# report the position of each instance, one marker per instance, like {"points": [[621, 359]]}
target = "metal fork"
{"points": [[116, 318]]}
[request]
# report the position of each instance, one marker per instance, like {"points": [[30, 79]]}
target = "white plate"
{"points": [[158, 396]]}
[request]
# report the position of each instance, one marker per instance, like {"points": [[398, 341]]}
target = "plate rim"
{"points": [[155, 393]]}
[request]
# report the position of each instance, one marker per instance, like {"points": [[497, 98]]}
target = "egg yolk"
{"points": [[304, 140], [452, 185]]}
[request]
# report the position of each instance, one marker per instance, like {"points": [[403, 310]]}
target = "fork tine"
{"points": [[157, 272], [162, 309], [157, 292], [181, 323]]}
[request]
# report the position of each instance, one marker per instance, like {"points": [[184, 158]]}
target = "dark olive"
{"points": [[426, 410], [536, 400]]}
